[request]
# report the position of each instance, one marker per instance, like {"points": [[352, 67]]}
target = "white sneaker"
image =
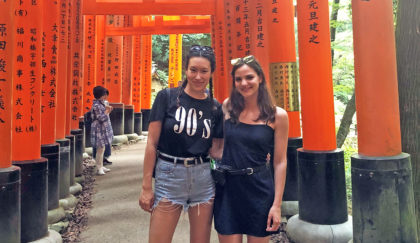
{"points": [[100, 172], [106, 169]]}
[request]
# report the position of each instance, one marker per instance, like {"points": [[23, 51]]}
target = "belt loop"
{"points": [[175, 160], [201, 159]]}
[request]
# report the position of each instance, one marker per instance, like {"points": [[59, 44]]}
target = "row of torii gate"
{"points": [[52, 53]]}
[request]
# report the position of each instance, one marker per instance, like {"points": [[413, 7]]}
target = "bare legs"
{"points": [[237, 238], [165, 218]]}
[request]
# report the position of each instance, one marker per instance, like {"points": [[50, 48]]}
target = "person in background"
{"points": [[107, 152], [185, 122], [101, 129], [255, 145]]}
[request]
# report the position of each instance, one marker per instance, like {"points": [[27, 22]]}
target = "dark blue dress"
{"points": [[242, 205]]}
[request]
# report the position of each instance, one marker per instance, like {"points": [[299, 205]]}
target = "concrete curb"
{"points": [[52, 237], [289, 208], [69, 202], [56, 215], [76, 188], [304, 232]]}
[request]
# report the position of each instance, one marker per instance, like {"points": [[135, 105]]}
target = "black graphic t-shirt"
{"points": [[187, 129]]}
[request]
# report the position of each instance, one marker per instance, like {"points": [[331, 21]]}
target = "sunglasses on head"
{"points": [[203, 49], [240, 60]]}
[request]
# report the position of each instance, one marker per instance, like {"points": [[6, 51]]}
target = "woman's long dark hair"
{"points": [[265, 102], [199, 52]]}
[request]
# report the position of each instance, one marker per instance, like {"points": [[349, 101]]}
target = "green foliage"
{"points": [[349, 148], [160, 51]]}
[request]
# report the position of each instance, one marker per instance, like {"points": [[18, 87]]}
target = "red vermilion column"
{"points": [[285, 86], [136, 74], [10, 223], [146, 78], [321, 177], [76, 68], [127, 79], [241, 28], [89, 68], [318, 124], [62, 74], [114, 76], [49, 71], [70, 29], [230, 41], [49, 148], [100, 50], [6, 74], [221, 77], [259, 34], [76, 90], [126, 63], [175, 62], [26, 130], [381, 173], [283, 67], [61, 112]]}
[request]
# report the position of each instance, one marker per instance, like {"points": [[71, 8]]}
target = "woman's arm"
{"points": [[281, 132], [147, 197], [99, 113], [216, 149]]}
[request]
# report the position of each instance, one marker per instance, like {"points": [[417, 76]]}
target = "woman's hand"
{"points": [[146, 200], [274, 219]]}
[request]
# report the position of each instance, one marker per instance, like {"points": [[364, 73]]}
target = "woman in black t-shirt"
{"points": [[185, 123]]}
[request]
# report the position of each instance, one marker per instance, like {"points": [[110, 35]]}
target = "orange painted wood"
{"points": [[100, 50], [62, 74], [241, 29], [89, 64], [70, 30], [26, 130], [146, 72], [159, 30], [204, 7], [318, 126], [76, 65], [258, 16], [136, 70], [221, 76], [175, 60], [378, 120], [50, 52], [127, 64], [114, 63], [230, 40], [6, 75], [281, 30]]}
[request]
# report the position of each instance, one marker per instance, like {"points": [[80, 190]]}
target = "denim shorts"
{"points": [[186, 186]]}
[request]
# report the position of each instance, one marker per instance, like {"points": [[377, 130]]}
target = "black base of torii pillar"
{"points": [[10, 224], [117, 118], [64, 188], [128, 119], [323, 213], [78, 151], [52, 153], [138, 123], [383, 201], [34, 199]]}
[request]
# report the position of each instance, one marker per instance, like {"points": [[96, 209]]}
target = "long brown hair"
{"points": [[265, 102]]}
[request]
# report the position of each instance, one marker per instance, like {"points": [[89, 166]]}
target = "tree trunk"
{"points": [[346, 121], [408, 62], [333, 29]]}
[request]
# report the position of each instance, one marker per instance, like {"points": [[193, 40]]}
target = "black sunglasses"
{"points": [[203, 49]]}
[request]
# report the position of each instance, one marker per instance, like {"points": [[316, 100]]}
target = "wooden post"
{"points": [[321, 178], [221, 76], [26, 125], [175, 60], [89, 69], [62, 74], [136, 74], [126, 64], [6, 76], [381, 173], [10, 222], [146, 71], [100, 50]]}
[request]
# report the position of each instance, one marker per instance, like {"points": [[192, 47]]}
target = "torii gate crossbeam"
{"points": [[148, 7]]}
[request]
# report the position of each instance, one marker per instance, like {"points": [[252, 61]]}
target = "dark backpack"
{"points": [[88, 118]]}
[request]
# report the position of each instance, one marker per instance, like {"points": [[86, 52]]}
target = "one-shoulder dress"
{"points": [[242, 205]]}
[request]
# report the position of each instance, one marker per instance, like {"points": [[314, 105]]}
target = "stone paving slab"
{"points": [[116, 215]]}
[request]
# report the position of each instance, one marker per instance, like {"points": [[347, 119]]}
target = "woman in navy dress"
{"points": [[255, 145]]}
